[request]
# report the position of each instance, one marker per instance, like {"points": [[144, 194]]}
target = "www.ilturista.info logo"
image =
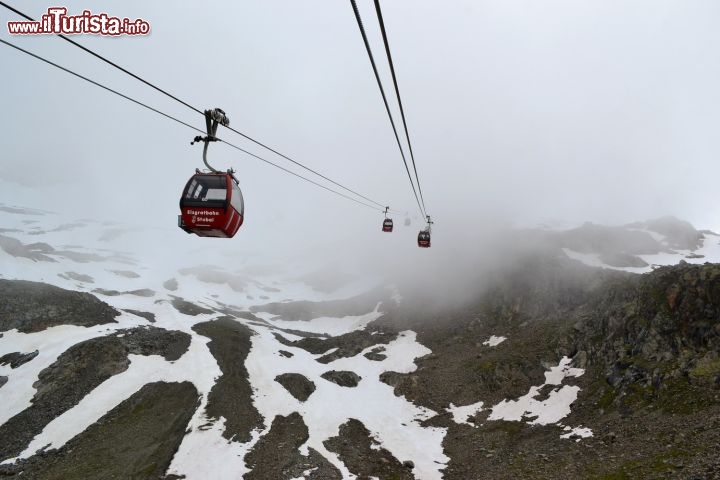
{"points": [[58, 21]]}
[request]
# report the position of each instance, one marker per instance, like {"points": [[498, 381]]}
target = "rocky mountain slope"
{"points": [[636, 247], [114, 364], [649, 392]]}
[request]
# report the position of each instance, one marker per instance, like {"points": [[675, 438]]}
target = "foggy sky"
{"points": [[519, 111]]}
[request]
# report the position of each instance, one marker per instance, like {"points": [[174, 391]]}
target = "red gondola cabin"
{"points": [[387, 225], [211, 205], [424, 239]]}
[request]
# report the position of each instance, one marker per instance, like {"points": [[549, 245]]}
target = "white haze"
{"points": [[519, 112]]}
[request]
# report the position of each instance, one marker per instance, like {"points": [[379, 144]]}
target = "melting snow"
{"points": [[51, 343], [494, 341], [461, 414], [332, 326], [392, 420], [528, 408], [556, 374], [204, 453], [547, 411], [551, 410], [112, 391], [581, 432]]}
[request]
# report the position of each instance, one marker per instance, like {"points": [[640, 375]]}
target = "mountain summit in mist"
{"points": [[562, 361]]}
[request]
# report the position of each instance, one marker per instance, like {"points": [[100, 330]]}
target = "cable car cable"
{"points": [[397, 92], [183, 123], [300, 176], [384, 97], [109, 62], [303, 166], [99, 85]]}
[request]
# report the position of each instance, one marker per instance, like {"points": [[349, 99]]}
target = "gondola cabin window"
{"points": [[207, 190], [236, 200]]}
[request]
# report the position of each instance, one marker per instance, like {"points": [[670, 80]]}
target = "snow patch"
{"points": [[542, 412], [529, 408], [494, 341], [581, 432], [461, 414], [204, 453], [551, 410], [556, 374], [332, 326]]}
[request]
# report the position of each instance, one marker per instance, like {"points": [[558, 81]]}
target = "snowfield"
{"points": [[129, 269], [103, 266]]}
